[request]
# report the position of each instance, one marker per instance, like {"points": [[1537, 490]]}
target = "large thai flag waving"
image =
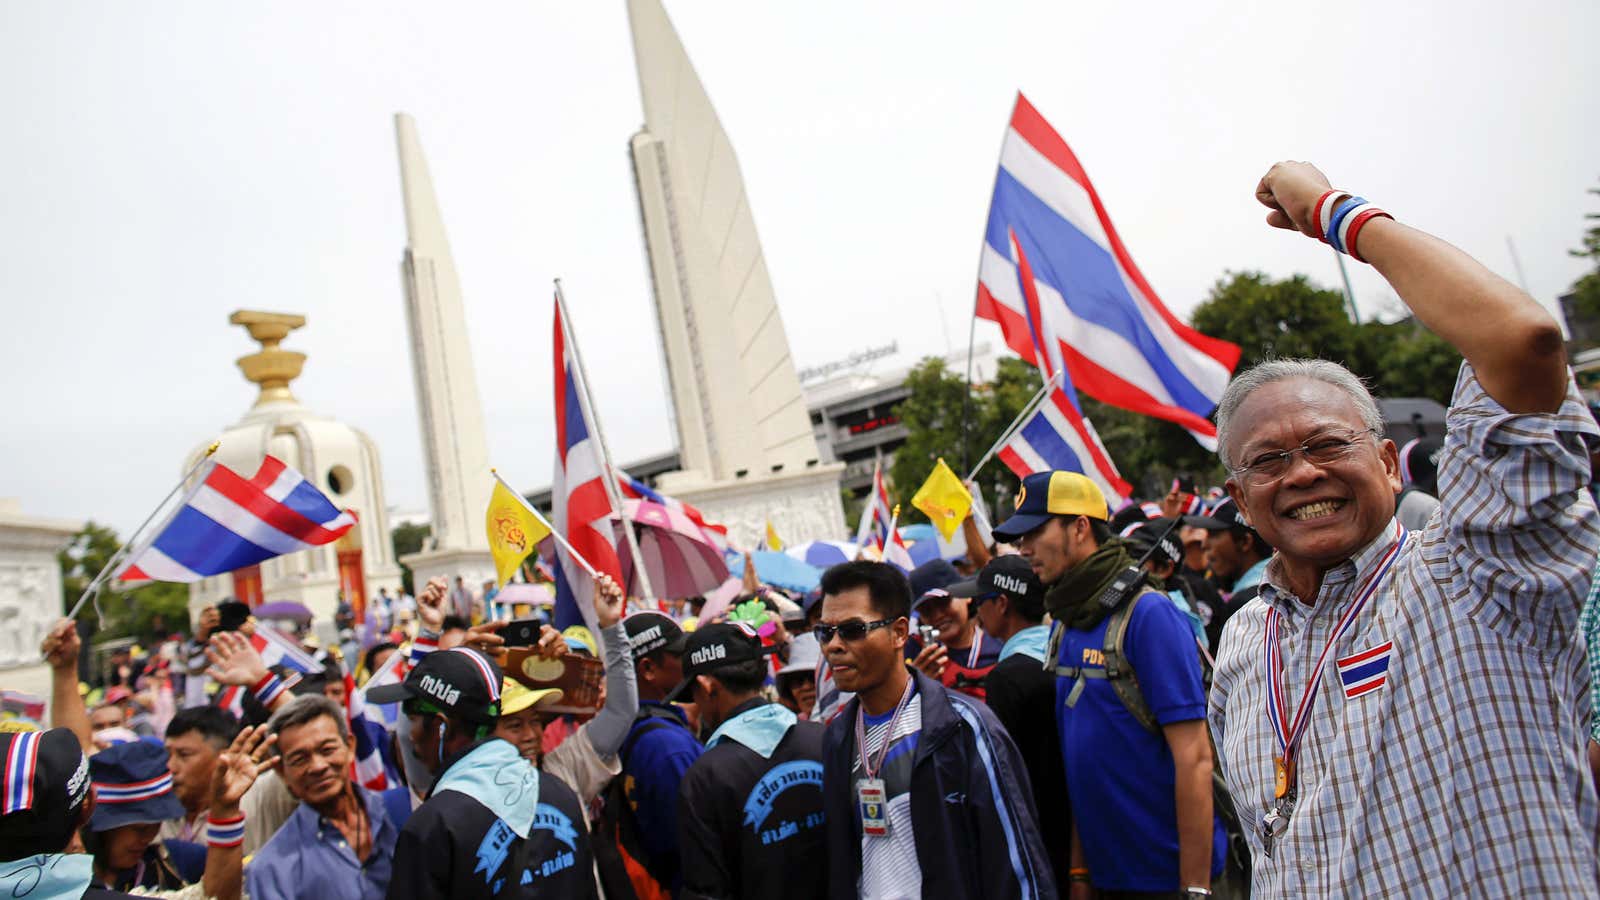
{"points": [[580, 507], [875, 518], [1089, 309], [227, 523], [1058, 438]]}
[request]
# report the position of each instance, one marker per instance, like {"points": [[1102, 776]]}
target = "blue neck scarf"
{"points": [[496, 775], [760, 728], [47, 876], [1029, 641]]}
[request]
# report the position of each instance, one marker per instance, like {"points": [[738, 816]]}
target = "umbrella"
{"points": [[781, 570], [519, 592], [823, 553], [283, 609], [678, 555]]}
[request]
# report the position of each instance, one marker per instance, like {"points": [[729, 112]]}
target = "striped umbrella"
{"points": [[823, 554], [679, 556]]}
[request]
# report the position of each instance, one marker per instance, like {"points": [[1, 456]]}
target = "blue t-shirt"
{"points": [[655, 766], [1120, 776]]}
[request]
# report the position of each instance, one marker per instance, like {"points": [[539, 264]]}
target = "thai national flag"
{"points": [[580, 508], [227, 523], [634, 489], [1367, 671], [1058, 438], [1066, 294], [375, 766], [875, 518]]}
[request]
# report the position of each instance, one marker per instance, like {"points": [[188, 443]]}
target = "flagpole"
{"points": [[100, 579], [571, 551], [609, 476], [1027, 410]]}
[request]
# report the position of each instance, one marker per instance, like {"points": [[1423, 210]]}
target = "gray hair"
{"points": [[306, 709], [1265, 373]]}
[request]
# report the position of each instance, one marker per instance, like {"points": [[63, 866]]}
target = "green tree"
{"points": [[148, 612], [408, 539], [1586, 290], [931, 413]]}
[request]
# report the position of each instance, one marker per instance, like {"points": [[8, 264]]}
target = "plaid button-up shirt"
{"points": [[1465, 773]]}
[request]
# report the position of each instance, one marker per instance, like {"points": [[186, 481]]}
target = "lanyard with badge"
{"points": [[1288, 732], [872, 795]]}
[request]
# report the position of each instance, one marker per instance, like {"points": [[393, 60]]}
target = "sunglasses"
{"points": [[850, 631]]}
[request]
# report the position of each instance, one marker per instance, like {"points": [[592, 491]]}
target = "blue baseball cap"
{"points": [[1045, 495], [132, 786]]}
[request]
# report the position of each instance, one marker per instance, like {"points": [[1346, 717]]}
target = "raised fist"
{"points": [[1290, 189]]}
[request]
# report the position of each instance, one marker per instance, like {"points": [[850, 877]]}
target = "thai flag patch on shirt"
{"points": [[1365, 672]]}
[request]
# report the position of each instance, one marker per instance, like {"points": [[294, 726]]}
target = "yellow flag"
{"points": [[773, 541], [513, 530], [945, 500]]}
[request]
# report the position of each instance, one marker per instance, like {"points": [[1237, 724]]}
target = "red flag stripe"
{"points": [[268, 510]]}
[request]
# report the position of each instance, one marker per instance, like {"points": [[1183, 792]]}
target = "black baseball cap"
{"points": [[715, 646], [460, 683], [651, 631], [44, 783], [1010, 575], [1154, 534], [1222, 517]]}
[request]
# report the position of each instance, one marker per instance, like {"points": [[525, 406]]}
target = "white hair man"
{"points": [[1405, 711]]}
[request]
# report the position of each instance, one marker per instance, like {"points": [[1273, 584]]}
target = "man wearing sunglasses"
{"points": [[1404, 710], [924, 794]]}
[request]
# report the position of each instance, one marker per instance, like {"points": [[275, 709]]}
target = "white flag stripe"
{"points": [[243, 522]]}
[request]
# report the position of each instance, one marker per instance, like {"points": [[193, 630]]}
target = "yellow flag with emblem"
{"points": [[944, 499], [514, 530], [773, 541]]}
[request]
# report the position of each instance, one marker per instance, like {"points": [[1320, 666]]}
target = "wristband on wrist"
{"points": [[1340, 213], [1357, 220], [426, 642], [1078, 874], [1324, 210], [225, 832], [272, 687]]}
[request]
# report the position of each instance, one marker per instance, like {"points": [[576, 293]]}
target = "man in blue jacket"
{"points": [[924, 794]]}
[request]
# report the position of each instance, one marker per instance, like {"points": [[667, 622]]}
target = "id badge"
{"points": [[873, 799]]}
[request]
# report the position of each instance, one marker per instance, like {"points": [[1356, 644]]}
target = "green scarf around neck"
{"points": [[1074, 599]]}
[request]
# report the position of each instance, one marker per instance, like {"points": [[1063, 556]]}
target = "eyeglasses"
{"points": [[850, 631], [1324, 450]]}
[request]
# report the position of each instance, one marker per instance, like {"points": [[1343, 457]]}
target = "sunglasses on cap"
{"points": [[850, 631]]}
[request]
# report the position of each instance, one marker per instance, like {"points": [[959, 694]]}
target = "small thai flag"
{"points": [[1366, 671]]}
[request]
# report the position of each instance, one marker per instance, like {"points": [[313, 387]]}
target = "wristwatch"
{"points": [[1190, 892]]}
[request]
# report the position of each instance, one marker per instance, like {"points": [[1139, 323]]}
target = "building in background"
{"points": [[747, 454], [30, 594], [448, 408], [340, 460]]}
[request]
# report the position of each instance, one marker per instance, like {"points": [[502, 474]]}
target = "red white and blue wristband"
{"points": [[225, 832], [272, 687], [1340, 217]]}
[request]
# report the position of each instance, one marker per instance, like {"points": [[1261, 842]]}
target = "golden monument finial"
{"points": [[271, 368]]}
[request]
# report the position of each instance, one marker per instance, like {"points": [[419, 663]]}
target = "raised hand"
{"points": [[430, 604], [1290, 190], [552, 645], [608, 601], [234, 660], [209, 620], [61, 645], [238, 766], [485, 638]]}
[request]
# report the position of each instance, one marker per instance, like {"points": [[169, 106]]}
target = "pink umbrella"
{"points": [[679, 556]]}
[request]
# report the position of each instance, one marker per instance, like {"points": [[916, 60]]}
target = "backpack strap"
{"points": [[1119, 671]]}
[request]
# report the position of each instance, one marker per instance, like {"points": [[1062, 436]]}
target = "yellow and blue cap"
{"points": [[1045, 495]]}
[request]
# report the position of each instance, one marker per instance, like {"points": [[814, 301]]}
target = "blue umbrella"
{"points": [[920, 532], [822, 554], [780, 570], [924, 550]]}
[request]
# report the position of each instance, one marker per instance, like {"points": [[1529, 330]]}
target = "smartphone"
{"points": [[521, 633], [929, 635]]}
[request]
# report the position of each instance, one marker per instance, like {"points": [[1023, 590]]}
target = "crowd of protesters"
{"points": [[1354, 669]]}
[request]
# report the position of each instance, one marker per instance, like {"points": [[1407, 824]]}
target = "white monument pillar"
{"points": [[744, 434], [447, 390]]}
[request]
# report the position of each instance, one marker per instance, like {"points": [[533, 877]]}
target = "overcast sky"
{"points": [[162, 170]]}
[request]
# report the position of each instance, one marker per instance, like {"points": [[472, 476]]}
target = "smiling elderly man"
{"points": [[1404, 712]]}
